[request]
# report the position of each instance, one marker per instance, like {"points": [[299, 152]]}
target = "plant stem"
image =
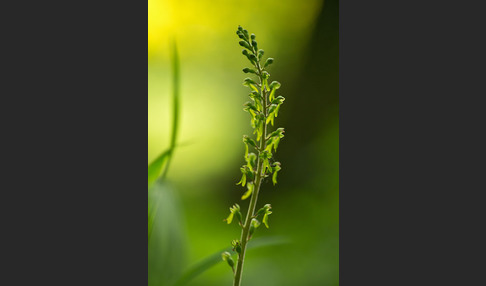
{"points": [[175, 102], [254, 196]]}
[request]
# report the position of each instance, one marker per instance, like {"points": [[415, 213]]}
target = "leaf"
{"points": [[155, 168], [176, 104], [168, 241]]}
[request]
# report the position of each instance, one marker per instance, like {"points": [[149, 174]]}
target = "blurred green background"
{"points": [[303, 37]]}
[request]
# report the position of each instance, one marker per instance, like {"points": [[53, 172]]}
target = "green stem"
{"points": [[175, 102], [254, 197]]}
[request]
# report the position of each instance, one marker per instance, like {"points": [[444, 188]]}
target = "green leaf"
{"points": [[175, 101], [155, 168], [167, 242]]}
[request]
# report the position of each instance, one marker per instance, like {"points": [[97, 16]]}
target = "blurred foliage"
{"points": [[204, 169]]}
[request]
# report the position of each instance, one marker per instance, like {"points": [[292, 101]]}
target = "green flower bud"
{"points": [[265, 155], [278, 100], [251, 175], [237, 212], [277, 133], [226, 256], [249, 70], [234, 211], [251, 84], [245, 32], [251, 160], [251, 106], [240, 35], [236, 246], [252, 58], [243, 177], [254, 44], [254, 225], [264, 209], [272, 113], [245, 44], [275, 85], [260, 54], [248, 81], [253, 36], [272, 108], [249, 141], [269, 61]]}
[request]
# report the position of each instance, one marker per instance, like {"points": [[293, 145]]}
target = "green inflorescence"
{"points": [[263, 108]]}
